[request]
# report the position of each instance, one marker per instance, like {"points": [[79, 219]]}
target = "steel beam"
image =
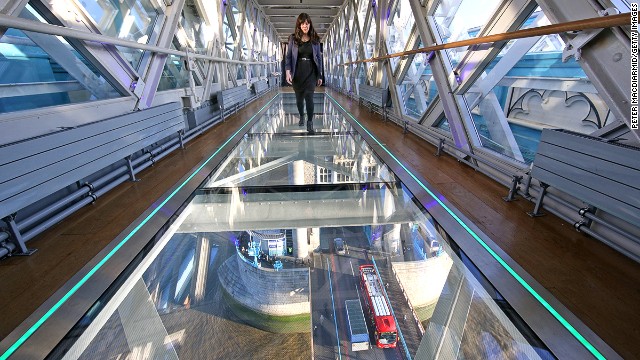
{"points": [[28, 89], [11, 8], [313, 12], [265, 4], [22, 24], [605, 59]]}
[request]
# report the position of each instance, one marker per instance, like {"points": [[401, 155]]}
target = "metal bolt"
{"points": [[617, 57]]}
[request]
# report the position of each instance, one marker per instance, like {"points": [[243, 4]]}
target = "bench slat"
{"points": [[600, 167], [593, 197], [57, 160], [40, 189], [260, 86], [28, 147], [589, 182], [80, 145], [373, 94], [586, 144], [233, 96], [63, 158], [599, 173]]}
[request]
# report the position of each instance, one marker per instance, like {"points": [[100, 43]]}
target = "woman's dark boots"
{"points": [[310, 127], [301, 122]]}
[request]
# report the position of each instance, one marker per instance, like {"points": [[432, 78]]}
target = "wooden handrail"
{"points": [[585, 24]]}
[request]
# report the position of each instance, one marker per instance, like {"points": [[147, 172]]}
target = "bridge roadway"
{"points": [[328, 312]]}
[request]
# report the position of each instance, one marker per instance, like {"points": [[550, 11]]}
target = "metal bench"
{"points": [[260, 87], [375, 97], [233, 98], [602, 174], [34, 168]]}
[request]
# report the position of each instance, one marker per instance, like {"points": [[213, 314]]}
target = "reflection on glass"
{"points": [[39, 70], [264, 158], [460, 20], [528, 87], [125, 19]]}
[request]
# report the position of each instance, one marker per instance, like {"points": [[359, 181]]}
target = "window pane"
{"points": [[193, 26], [174, 74], [363, 7], [443, 124], [418, 88], [460, 20], [228, 39], [362, 79], [371, 38], [402, 21], [192, 32], [32, 77], [528, 87], [125, 19]]}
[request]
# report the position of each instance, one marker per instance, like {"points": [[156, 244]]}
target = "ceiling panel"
{"points": [[283, 14]]}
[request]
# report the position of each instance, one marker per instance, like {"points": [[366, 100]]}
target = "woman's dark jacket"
{"points": [[292, 57]]}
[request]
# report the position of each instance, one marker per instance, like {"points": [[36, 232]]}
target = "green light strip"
{"points": [[497, 257], [86, 278]]}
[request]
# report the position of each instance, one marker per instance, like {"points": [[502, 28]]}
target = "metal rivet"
{"points": [[617, 56]]}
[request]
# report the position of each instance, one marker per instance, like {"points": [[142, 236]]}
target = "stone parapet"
{"points": [[279, 293], [422, 281]]}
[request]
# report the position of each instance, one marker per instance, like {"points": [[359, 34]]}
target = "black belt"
{"points": [[305, 59]]}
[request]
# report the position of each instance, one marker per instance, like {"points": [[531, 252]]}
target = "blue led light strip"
{"points": [[497, 257], [86, 278]]}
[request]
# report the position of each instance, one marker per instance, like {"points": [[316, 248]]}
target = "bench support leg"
{"points": [[405, 127], [527, 185], [181, 135], [514, 188], [16, 237], [536, 211], [132, 175], [440, 147]]}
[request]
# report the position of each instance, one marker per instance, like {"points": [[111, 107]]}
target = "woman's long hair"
{"points": [[297, 35]]}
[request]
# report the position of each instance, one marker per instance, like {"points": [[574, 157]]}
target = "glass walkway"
{"points": [[258, 262]]}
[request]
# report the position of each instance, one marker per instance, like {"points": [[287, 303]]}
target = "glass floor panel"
{"points": [[261, 261], [276, 151]]}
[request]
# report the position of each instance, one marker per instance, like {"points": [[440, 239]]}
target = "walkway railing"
{"points": [[579, 25]]}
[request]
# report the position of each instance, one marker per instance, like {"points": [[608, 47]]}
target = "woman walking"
{"points": [[303, 64]]}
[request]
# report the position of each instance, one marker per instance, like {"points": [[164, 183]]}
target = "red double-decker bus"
{"points": [[386, 334]]}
